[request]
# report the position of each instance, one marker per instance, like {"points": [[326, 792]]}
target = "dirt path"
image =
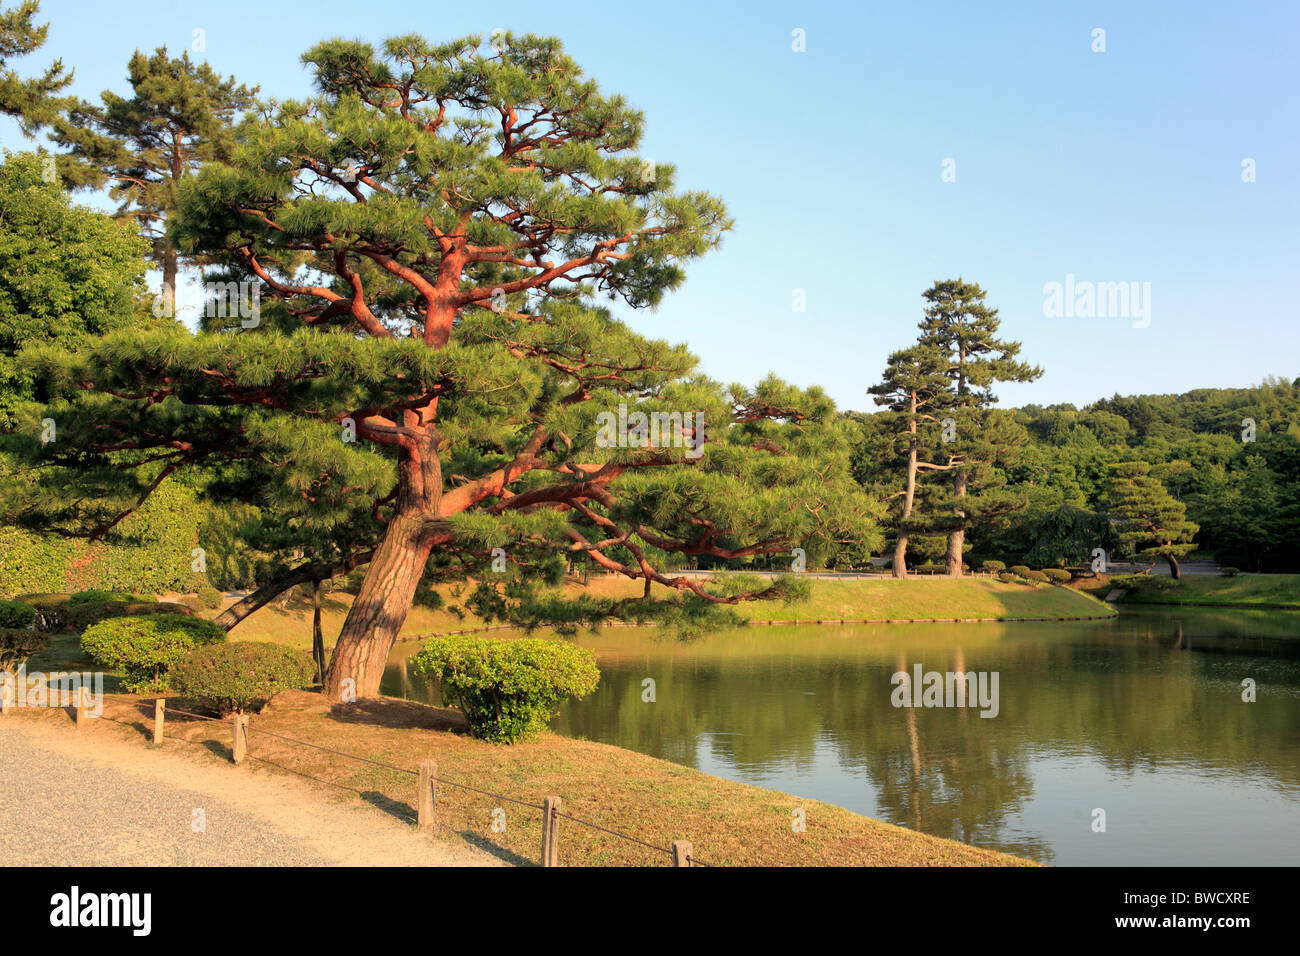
{"points": [[76, 800]]}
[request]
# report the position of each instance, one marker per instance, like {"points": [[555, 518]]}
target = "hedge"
{"points": [[51, 610], [83, 616], [150, 552]]}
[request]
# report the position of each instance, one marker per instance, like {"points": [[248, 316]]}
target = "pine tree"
{"points": [[179, 116], [438, 223], [33, 102], [979, 439], [914, 385], [1151, 521]]}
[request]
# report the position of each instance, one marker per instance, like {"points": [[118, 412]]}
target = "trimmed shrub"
{"points": [[992, 567], [145, 647], [242, 676], [1019, 569], [508, 690], [51, 610], [210, 598], [1057, 575], [92, 612], [1230, 572], [18, 644], [1006, 577], [96, 596], [1038, 577], [16, 614]]}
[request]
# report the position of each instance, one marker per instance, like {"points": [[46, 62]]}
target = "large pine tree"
{"points": [[436, 223], [983, 439]]}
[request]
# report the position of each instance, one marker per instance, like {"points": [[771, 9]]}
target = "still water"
{"points": [[1140, 717]]}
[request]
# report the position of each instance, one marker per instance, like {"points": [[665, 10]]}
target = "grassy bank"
{"points": [[729, 824], [871, 599], [1246, 591]]}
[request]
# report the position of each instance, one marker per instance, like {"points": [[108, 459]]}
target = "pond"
{"points": [[1141, 717]]}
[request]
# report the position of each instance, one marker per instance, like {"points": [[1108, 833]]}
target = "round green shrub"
{"points": [[992, 567], [1038, 577], [83, 616], [18, 644], [508, 690], [145, 647], [1230, 572], [241, 676], [16, 614], [1057, 575], [210, 597], [1006, 577], [1019, 569]]}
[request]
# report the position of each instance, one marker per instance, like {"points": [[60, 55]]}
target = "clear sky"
{"points": [[1115, 166]]}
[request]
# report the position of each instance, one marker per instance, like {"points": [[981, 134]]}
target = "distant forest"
{"points": [[1231, 456]]}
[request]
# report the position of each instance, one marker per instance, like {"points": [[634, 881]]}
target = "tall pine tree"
{"points": [[979, 438], [914, 386], [179, 116]]}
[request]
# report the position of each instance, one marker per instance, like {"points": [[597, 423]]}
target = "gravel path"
{"points": [[69, 801]]}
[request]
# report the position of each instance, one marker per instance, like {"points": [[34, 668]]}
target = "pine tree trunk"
{"points": [[380, 609], [957, 538], [900, 549], [1174, 570], [170, 270], [909, 496], [317, 637]]}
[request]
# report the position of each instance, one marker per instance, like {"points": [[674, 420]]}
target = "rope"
{"points": [[451, 783], [622, 836]]}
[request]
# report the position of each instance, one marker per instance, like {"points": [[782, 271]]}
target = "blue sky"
{"points": [[1122, 166]]}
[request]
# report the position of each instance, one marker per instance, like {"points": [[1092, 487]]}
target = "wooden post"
{"points": [[551, 831], [427, 797], [240, 748], [159, 715], [82, 716], [681, 853]]}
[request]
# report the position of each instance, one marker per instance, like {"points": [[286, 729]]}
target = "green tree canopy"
{"points": [[438, 221], [66, 273]]}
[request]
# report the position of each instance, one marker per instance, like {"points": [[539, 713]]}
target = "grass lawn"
{"points": [[1247, 590], [653, 800], [913, 598], [917, 598]]}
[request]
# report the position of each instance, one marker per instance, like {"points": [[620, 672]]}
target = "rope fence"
{"points": [[551, 807]]}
